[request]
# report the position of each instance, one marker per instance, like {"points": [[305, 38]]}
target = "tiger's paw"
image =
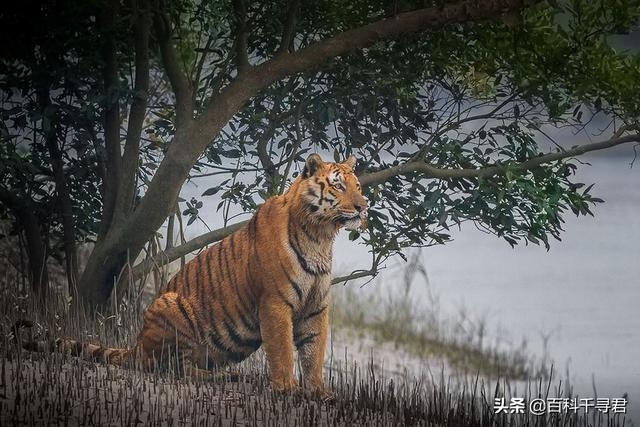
{"points": [[285, 386], [324, 394], [320, 392]]}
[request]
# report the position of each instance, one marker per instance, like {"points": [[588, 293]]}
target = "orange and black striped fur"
{"points": [[266, 284]]}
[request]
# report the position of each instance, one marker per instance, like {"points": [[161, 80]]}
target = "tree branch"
{"points": [[137, 112], [289, 30], [111, 116], [177, 77], [429, 171], [379, 177], [294, 149], [270, 168], [404, 23], [455, 124], [230, 99], [265, 157], [199, 67], [242, 36], [175, 252], [358, 274], [170, 224]]}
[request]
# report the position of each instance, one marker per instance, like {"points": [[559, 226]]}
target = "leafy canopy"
{"points": [[464, 98]]}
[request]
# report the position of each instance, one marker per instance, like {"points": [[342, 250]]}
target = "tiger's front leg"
{"points": [[311, 339], [276, 328]]}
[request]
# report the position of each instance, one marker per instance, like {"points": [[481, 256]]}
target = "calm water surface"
{"points": [[584, 294]]}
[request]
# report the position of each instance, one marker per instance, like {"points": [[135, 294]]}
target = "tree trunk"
{"points": [[126, 238], [111, 117], [65, 206], [97, 281], [37, 254]]}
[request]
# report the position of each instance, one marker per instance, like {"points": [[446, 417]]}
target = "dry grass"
{"points": [[52, 388], [419, 328]]}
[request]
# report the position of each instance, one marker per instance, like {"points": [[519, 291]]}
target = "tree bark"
{"points": [[428, 171], [37, 255], [125, 197], [98, 278], [111, 115], [65, 206]]}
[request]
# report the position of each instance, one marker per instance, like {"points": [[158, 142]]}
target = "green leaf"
{"points": [[211, 191]]}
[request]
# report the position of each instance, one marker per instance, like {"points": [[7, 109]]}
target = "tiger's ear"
{"points": [[311, 166], [351, 162]]}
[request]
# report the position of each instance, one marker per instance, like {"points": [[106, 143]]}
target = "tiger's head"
{"points": [[331, 192]]}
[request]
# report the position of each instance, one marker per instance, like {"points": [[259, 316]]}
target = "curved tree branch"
{"points": [[137, 112], [190, 141], [175, 252], [357, 274], [404, 23], [283, 65], [456, 124], [242, 35], [429, 171], [380, 177], [177, 78], [289, 28], [111, 115]]}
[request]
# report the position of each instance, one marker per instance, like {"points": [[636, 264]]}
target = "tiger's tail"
{"points": [[87, 351]]}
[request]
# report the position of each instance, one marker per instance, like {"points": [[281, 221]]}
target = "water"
{"points": [[583, 295]]}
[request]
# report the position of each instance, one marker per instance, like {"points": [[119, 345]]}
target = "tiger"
{"points": [[265, 285]]}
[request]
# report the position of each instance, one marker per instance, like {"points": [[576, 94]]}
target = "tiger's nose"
{"points": [[360, 205]]}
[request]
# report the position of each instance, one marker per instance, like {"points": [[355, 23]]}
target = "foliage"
{"points": [[48, 86], [463, 98], [468, 97]]}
